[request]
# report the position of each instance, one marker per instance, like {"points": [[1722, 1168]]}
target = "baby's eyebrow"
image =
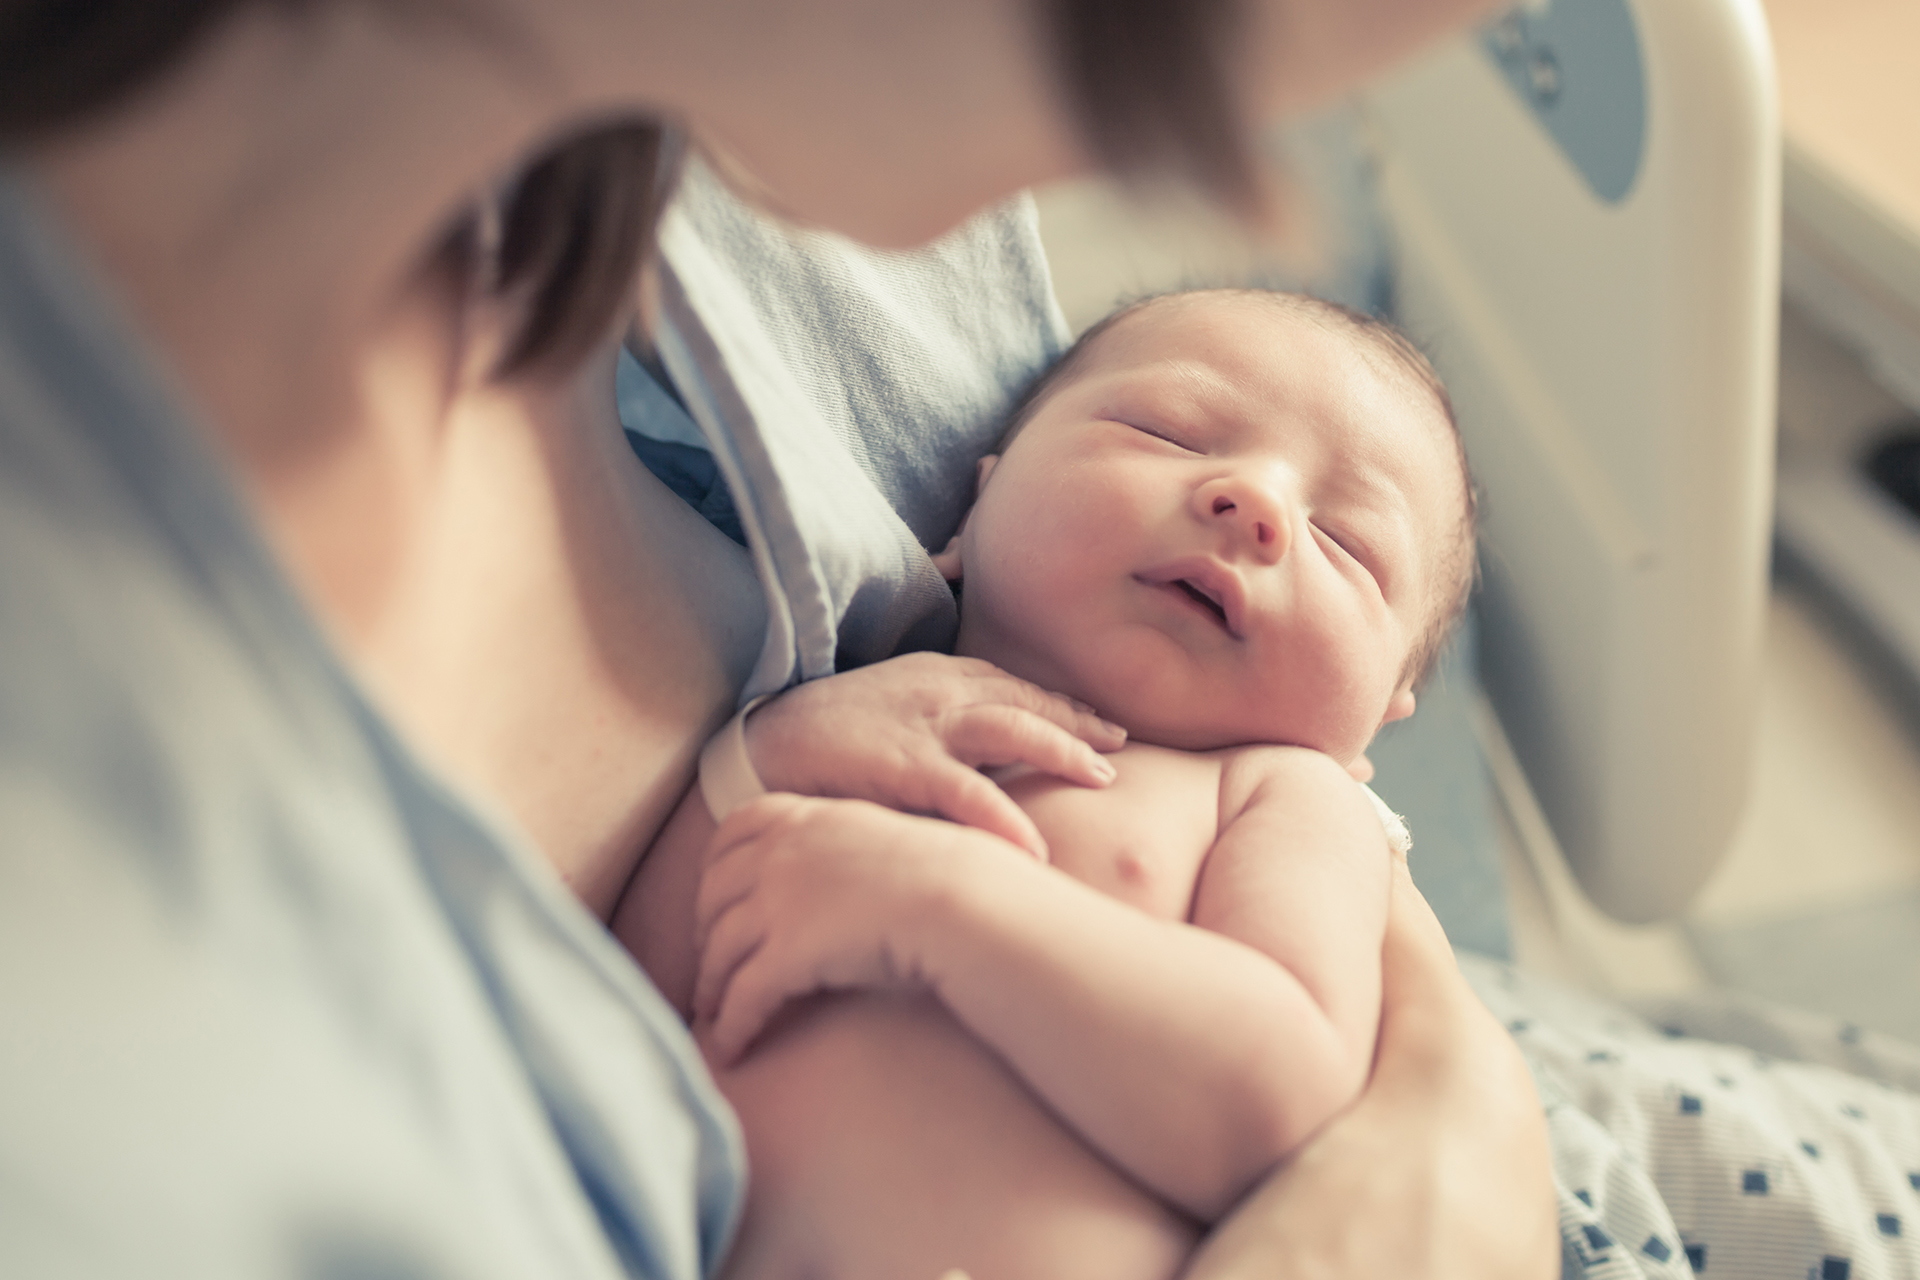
{"points": [[1184, 385], [1213, 392]]}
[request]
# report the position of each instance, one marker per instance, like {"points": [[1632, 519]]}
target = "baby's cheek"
{"points": [[1330, 690]]}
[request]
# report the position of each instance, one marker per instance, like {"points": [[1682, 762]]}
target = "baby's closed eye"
{"points": [[1351, 547], [1177, 436]]}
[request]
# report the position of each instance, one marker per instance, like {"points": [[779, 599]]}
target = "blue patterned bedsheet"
{"points": [[1717, 1135]]}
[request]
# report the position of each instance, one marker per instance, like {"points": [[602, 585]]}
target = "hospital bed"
{"points": [[1584, 203]]}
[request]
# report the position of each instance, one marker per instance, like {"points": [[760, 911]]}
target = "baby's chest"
{"points": [[1143, 838]]}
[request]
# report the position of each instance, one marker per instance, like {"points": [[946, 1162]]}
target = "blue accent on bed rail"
{"points": [[1577, 66]]}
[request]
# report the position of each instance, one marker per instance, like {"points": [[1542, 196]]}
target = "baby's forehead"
{"points": [[1220, 344], [1237, 334], [1156, 325]]}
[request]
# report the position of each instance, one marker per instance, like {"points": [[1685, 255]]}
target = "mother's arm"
{"points": [[1440, 1170]]}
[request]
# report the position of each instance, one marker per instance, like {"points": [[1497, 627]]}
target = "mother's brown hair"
{"points": [[1147, 79]]}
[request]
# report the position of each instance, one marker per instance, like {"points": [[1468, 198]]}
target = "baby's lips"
{"points": [[1204, 576]]}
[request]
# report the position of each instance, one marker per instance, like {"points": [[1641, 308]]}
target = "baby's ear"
{"points": [[1399, 707], [947, 560]]}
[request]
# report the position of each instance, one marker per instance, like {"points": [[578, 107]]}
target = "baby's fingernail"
{"points": [[1113, 728], [1104, 767]]}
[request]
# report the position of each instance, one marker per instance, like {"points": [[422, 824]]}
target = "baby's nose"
{"points": [[1257, 512]]}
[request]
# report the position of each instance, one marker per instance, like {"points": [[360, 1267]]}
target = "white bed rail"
{"points": [[1585, 202]]}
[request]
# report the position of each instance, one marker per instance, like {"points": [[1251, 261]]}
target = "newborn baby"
{"points": [[1239, 524]]}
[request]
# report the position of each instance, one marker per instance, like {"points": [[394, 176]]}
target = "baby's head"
{"points": [[1225, 517]]}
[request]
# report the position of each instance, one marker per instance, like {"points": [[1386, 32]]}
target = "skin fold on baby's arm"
{"points": [[1193, 1052]]}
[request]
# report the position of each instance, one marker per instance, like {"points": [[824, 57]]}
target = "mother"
{"points": [[306, 320]]}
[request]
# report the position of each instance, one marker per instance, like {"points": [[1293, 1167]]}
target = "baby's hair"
{"points": [[1457, 563]]}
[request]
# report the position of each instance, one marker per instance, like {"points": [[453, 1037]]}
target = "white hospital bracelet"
{"points": [[1398, 837], [727, 777]]}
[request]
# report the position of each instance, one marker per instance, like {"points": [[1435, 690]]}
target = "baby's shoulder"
{"points": [[1147, 762], [1294, 778], [1246, 770], [1227, 779]]}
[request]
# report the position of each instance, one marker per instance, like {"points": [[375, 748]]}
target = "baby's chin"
{"points": [[1179, 729], [1186, 736], [1160, 714]]}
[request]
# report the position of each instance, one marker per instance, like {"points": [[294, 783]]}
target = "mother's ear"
{"points": [[947, 560]]}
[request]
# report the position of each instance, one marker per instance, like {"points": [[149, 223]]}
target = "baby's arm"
{"points": [[1301, 872], [1194, 1061], [908, 733]]}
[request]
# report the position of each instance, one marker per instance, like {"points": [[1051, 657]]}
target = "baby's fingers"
{"points": [[1002, 735], [733, 871], [1074, 718], [730, 942], [748, 1003], [760, 818], [972, 799]]}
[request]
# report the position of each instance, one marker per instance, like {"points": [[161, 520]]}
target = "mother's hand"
{"points": [[913, 732], [1440, 1170]]}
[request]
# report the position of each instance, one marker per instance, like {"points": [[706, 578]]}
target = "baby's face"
{"points": [[1225, 527]]}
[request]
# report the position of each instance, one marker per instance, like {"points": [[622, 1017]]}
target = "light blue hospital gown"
{"points": [[273, 1002]]}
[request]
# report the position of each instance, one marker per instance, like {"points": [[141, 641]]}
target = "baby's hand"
{"points": [[912, 733], [802, 895]]}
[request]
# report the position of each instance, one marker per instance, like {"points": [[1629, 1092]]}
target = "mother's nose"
{"points": [[1255, 511]]}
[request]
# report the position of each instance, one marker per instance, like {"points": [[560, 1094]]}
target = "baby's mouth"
{"points": [[1199, 594], [1198, 581]]}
